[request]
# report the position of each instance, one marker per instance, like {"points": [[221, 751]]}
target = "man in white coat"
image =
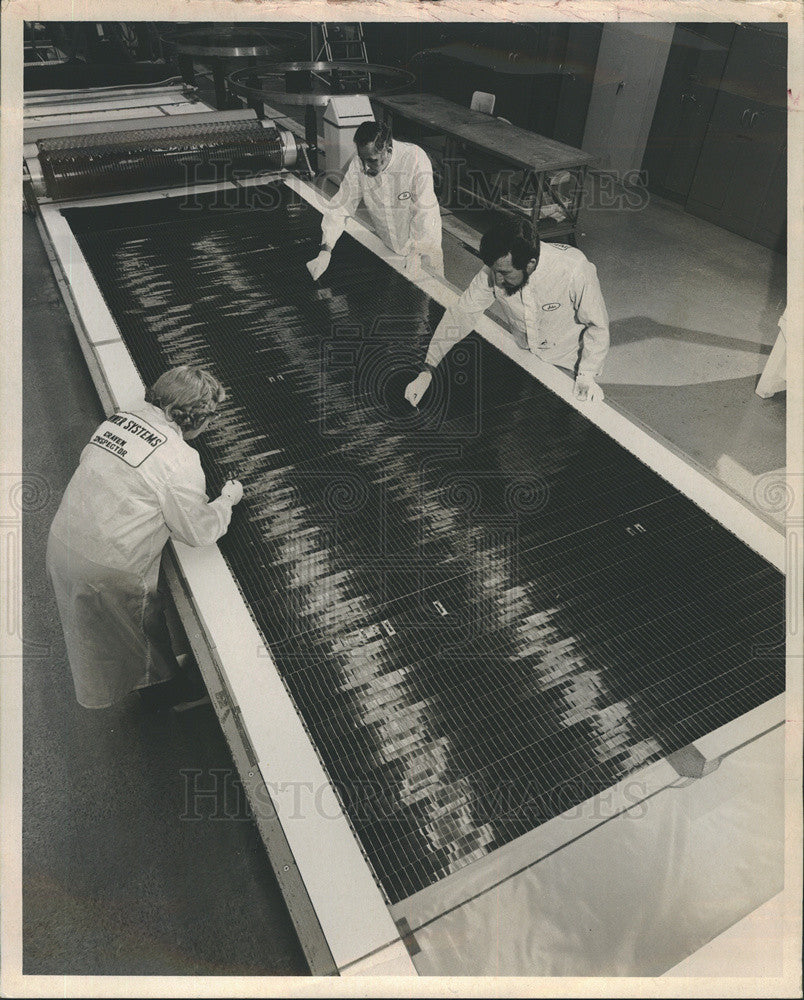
{"points": [[550, 296], [395, 181], [138, 483]]}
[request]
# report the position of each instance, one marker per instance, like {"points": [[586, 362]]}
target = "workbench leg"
{"points": [[538, 181], [451, 173], [577, 197]]}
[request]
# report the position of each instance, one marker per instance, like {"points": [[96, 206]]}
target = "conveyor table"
{"points": [[436, 630], [484, 597]]}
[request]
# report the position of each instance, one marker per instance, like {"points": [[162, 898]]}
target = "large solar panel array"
{"points": [[486, 611]]}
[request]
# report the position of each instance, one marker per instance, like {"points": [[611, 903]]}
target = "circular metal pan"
{"points": [[314, 83], [232, 42]]}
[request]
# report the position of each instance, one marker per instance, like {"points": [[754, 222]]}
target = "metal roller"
{"points": [[144, 159]]}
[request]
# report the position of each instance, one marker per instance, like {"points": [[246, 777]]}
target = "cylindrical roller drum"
{"points": [[82, 166]]}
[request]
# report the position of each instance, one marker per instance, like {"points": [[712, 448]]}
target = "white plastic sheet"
{"points": [[636, 895]]}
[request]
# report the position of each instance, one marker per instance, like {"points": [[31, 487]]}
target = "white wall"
{"points": [[619, 118]]}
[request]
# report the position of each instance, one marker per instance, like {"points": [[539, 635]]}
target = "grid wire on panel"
{"points": [[485, 610]]}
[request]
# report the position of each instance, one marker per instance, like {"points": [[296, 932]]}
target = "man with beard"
{"points": [[551, 298]]}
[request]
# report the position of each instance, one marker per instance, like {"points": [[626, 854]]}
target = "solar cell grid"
{"points": [[487, 611]]}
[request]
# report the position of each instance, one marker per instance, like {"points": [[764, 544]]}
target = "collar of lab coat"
{"points": [[156, 415], [393, 160]]}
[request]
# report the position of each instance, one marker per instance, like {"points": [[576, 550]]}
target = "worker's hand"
{"points": [[418, 387], [411, 263], [586, 389], [232, 491], [319, 264], [415, 264]]}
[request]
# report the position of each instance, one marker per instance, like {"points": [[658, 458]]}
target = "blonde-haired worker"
{"points": [[138, 483]]}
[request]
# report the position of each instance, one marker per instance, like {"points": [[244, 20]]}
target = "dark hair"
{"points": [[510, 234], [368, 132]]}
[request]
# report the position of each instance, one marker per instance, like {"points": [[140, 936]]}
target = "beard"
{"points": [[512, 291]]}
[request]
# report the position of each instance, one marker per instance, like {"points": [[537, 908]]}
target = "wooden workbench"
{"points": [[498, 149]]}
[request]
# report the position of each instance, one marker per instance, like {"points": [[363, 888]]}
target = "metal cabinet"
{"points": [[740, 178], [718, 143], [687, 97]]}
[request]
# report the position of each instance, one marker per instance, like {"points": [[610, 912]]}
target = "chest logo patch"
{"points": [[404, 196], [129, 438], [549, 307]]}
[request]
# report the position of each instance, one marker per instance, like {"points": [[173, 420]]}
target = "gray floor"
{"points": [[115, 880]]}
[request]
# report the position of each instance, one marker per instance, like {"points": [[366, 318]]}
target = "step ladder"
{"points": [[340, 41]]}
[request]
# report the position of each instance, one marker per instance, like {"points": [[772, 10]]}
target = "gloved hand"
{"points": [[418, 387], [416, 264], [232, 491], [586, 389], [319, 264]]}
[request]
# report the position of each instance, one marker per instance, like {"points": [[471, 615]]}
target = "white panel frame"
{"points": [[80, 117], [44, 103], [357, 923], [110, 122], [352, 912]]}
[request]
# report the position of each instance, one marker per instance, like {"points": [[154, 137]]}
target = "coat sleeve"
{"points": [[459, 321], [425, 225], [342, 205], [189, 514], [590, 311]]}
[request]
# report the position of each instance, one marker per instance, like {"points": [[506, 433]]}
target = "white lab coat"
{"points": [[559, 314], [400, 200], [138, 483]]}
